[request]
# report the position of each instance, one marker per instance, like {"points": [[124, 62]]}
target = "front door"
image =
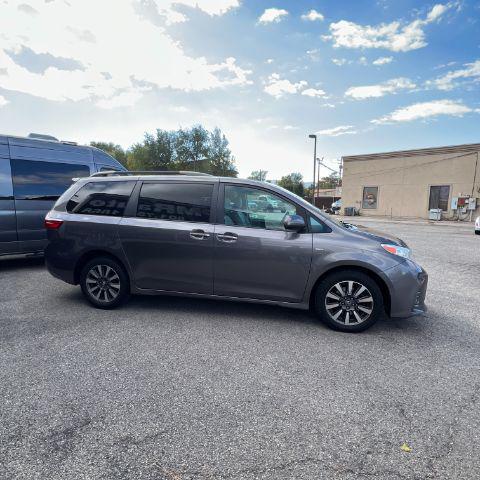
{"points": [[254, 256], [168, 240]]}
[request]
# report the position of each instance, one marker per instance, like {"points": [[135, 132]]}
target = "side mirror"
{"points": [[294, 223]]}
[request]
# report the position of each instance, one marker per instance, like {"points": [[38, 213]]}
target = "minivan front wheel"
{"points": [[349, 301], [104, 282]]}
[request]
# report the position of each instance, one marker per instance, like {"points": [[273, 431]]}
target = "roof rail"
{"points": [[41, 136], [115, 173]]}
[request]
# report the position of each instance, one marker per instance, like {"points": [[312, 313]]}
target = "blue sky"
{"points": [[366, 76]]}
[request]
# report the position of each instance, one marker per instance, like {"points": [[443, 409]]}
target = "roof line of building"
{"points": [[468, 147]]}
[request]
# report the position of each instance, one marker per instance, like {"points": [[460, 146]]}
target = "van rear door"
{"points": [[41, 172], [8, 225]]}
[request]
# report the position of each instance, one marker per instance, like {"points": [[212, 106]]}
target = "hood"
{"points": [[373, 234]]}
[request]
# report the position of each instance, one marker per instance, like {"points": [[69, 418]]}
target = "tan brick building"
{"points": [[408, 183]]}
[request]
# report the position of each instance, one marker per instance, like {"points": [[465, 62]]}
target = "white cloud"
{"points": [[382, 60], [278, 87], [425, 110], [339, 61], [149, 57], [312, 16], [373, 91], [393, 36], [449, 80], [270, 60], [337, 131], [123, 99], [211, 7], [274, 15], [3, 101], [314, 92]]}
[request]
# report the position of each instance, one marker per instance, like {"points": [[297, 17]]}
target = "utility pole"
{"points": [[314, 166]]}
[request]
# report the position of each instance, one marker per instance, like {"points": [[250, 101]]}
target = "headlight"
{"points": [[396, 250]]}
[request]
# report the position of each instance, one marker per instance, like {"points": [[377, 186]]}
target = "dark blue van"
{"points": [[34, 172]]}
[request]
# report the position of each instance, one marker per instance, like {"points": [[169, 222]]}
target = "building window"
{"points": [[370, 197], [439, 195]]}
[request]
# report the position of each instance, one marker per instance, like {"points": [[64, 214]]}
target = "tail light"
{"points": [[52, 224]]}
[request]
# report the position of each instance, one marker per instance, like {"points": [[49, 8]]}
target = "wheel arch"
{"points": [[368, 271], [90, 255]]}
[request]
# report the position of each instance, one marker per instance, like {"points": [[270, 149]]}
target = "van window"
{"points": [[316, 226], [37, 179], [252, 207], [6, 190], [182, 202], [101, 198]]}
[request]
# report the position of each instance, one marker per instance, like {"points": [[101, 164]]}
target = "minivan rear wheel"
{"points": [[349, 301], [104, 282]]}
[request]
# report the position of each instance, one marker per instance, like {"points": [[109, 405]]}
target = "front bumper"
{"points": [[408, 288]]}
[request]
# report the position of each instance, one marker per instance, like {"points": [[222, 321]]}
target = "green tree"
{"points": [[260, 175], [332, 181], [116, 151], [220, 159], [294, 183], [184, 149], [156, 152], [192, 148]]}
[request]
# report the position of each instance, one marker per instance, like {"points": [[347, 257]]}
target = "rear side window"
{"points": [[37, 179], [101, 198], [182, 202]]}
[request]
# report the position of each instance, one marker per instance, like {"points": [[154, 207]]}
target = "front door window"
{"points": [[255, 208]]}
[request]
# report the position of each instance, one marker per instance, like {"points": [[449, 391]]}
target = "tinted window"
{"points": [[44, 179], [6, 190], [439, 197], [316, 226], [101, 198], [110, 169], [187, 202], [252, 207]]}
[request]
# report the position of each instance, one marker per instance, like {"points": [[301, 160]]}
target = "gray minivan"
{"points": [[34, 172], [198, 235]]}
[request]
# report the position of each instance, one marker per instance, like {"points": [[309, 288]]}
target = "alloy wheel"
{"points": [[349, 303], [103, 283]]}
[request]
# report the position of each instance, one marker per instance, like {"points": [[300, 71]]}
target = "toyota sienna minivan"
{"points": [[181, 233], [34, 172]]}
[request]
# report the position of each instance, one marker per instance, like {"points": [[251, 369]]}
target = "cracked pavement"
{"points": [[176, 389]]}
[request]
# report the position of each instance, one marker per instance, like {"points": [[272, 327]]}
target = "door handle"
{"points": [[227, 237], [199, 234]]}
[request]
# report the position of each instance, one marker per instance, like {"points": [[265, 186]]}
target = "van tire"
{"points": [[357, 310], [112, 288]]}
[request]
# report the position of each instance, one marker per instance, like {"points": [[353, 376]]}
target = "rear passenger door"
{"points": [[168, 236]]}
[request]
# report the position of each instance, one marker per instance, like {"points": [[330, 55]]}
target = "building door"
{"points": [[439, 195]]}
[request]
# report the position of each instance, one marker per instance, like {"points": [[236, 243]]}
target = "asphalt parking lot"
{"points": [[169, 388]]}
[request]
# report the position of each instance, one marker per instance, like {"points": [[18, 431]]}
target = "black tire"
{"points": [[113, 279], [351, 303]]}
